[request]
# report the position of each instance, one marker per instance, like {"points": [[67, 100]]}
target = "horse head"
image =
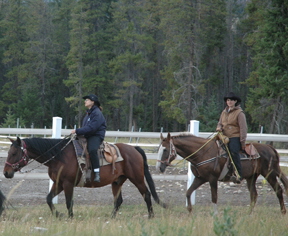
{"points": [[166, 153], [17, 158]]}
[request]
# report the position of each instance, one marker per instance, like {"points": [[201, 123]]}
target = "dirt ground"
{"points": [[33, 192]]}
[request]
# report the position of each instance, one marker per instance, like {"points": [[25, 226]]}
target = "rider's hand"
{"points": [[73, 131]]}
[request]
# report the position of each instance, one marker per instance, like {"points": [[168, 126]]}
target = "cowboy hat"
{"points": [[232, 96], [92, 97]]}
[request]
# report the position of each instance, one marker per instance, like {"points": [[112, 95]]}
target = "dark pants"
{"points": [[93, 144], [234, 146]]}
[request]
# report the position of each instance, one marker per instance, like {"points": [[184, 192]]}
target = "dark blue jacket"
{"points": [[94, 124]]}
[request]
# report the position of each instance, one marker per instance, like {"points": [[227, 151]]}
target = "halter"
{"points": [[24, 158], [172, 154]]}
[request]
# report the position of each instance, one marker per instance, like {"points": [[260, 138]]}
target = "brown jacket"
{"points": [[233, 124]]}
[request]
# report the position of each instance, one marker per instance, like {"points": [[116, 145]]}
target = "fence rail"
{"points": [[125, 134], [9, 132]]}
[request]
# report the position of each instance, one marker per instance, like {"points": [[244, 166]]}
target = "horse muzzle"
{"points": [[163, 166], [8, 172]]}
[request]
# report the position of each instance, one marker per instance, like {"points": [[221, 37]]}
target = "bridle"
{"points": [[172, 154], [24, 158]]}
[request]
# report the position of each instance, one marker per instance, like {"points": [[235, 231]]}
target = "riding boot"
{"points": [[97, 177], [95, 164]]}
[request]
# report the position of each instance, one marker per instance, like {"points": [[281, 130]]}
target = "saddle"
{"points": [[250, 153], [107, 153]]}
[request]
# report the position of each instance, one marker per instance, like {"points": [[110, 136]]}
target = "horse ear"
{"points": [[161, 136], [19, 141], [11, 140], [169, 136]]}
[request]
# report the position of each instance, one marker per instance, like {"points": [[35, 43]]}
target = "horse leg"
{"points": [[117, 193], [284, 180], [251, 185], [214, 193], [68, 190], [271, 178], [55, 190], [196, 184], [141, 186]]}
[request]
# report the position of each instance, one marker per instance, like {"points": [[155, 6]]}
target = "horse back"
{"points": [[129, 153], [267, 151]]}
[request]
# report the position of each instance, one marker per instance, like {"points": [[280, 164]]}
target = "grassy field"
{"points": [[131, 221]]}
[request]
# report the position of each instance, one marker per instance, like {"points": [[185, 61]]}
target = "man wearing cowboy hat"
{"points": [[233, 124]]}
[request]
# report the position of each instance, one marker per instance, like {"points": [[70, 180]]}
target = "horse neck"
{"points": [[185, 146], [32, 154], [35, 156]]}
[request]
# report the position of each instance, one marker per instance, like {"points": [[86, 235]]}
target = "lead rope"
{"points": [[196, 150], [229, 154]]}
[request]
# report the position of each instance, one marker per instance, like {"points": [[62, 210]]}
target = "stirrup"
{"points": [[235, 180]]}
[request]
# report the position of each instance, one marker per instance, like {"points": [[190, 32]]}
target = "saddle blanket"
{"points": [[80, 153]]}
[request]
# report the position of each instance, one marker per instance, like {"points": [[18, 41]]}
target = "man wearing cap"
{"points": [[94, 129], [233, 124]]}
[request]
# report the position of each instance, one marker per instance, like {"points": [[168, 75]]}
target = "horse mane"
{"points": [[49, 147], [185, 135]]}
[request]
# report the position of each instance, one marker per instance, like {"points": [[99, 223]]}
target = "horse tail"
{"points": [[2, 201], [282, 176], [149, 179]]}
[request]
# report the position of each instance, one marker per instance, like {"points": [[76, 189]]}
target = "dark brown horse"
{"points": [[206, 165], [2, 202], [63, 168]]}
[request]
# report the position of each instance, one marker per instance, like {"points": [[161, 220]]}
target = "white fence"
{"points": [[9, 132]]}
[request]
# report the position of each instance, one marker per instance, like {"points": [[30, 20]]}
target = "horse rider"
{"points": [[233, 124], [94, 129]]}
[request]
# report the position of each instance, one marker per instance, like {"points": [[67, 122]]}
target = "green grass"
{"points": [[132, 220]]}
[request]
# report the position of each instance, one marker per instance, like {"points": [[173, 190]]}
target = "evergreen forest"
{"points": [[154, 64]]}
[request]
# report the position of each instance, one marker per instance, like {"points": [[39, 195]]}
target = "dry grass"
{"points": [[95, 220]]}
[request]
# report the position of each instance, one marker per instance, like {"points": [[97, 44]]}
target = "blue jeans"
{"points": [[234, 146], [93, 143]]}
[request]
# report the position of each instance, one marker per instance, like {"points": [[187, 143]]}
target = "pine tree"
{"points": [[268, 81], [131, 63], [88, 57], [193, 30], [14, 40]]}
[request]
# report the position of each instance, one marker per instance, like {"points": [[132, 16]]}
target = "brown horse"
{"points": [[2, 202], [63, 168], [206, 165]]}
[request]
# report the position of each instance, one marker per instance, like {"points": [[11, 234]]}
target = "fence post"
{"points": [[56, 133], [194, 129]]}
